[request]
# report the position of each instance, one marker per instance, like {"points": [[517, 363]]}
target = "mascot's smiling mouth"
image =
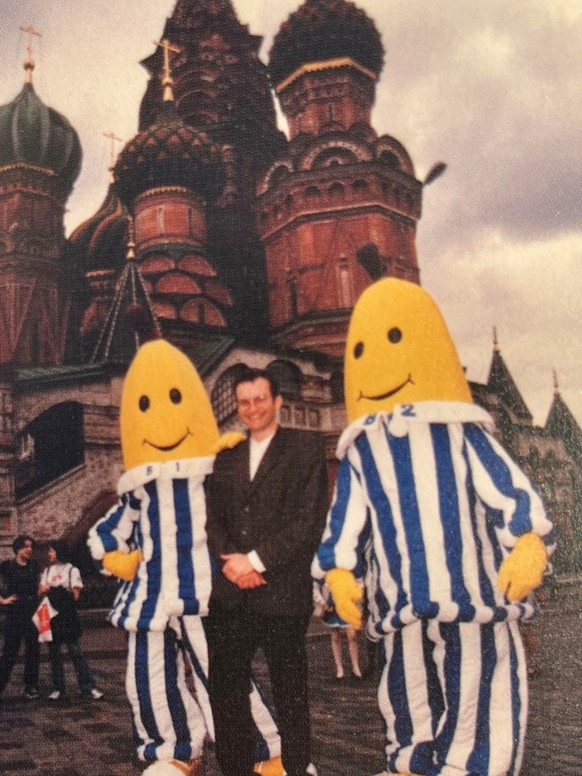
{"points": [[167, 448], [388, 394]]}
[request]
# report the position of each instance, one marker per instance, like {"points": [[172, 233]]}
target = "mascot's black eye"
{"points": [[175, 396], [144, 403], [394, 335], [358, 349]]}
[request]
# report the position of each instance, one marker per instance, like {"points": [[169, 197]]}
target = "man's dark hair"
{"points": [[249, 375], [61, 549], [20, 542]]}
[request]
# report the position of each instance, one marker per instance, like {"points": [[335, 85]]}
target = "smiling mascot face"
{"points": [[399, 351], [165, 412]]}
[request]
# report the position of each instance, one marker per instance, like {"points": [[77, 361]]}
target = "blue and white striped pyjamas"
{"points": [[426, 507], [162, 512]]}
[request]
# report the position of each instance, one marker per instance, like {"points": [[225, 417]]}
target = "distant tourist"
{"points": [[62, 583], [324, 605], [19, 600]]}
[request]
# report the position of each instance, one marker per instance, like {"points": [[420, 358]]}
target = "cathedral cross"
{"points": [[167, 81], [114, 139], [29, 62]]}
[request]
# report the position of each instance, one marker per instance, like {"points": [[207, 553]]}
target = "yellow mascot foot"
{"points": [[387, 773], [175, 768], [272, 767]]}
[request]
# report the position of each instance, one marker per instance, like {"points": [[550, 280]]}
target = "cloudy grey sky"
{"points": [[491, 87]]}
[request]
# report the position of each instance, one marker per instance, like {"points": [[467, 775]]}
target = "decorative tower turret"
{"points": [[222, 87], [164, 177], [341, 207], [40, 158], [324, 62]]}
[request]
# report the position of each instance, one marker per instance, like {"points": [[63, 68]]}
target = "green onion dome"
{"points": [[100, 241], [34, 134]]}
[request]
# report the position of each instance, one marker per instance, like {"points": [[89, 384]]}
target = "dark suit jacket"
{"points": [[280, 515]]}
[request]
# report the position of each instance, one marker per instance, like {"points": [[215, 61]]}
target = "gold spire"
{"points": [[556, 384], [130, 255], [29, 61], [114, 139], [496, 347], [167, 80]]}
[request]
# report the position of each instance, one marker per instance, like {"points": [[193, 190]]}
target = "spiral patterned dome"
{"points": [[32, 133], [321, 30], [169, 153]]}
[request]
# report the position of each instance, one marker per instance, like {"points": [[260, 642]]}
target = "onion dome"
{"points": [[100, 240], [34, 134], [169, 153], [323, 30]]}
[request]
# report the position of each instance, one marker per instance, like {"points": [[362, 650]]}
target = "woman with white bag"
{"points": [[61, 582]]}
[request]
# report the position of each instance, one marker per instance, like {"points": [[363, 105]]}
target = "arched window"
{"points": [[332, 157], [337, 387], [278, 175], [390, 160], [336, 191], [344, 283], [359, 185], [311, 192], [293, 295], [50, 446], [288, 376]]}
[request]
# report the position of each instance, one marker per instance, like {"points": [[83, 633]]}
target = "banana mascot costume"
{"points": [[449, 535], [154, 540]]}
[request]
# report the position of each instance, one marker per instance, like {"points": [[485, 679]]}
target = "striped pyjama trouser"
{"points": [[454, 699], [171, 722]]}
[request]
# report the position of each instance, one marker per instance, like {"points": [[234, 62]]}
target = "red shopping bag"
{"points": [[42, 619]]}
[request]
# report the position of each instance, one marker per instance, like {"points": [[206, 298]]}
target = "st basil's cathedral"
{"points": [[247, 247]]}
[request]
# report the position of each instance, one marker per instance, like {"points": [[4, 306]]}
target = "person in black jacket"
{"points": [[267, 501], [19, 602]]}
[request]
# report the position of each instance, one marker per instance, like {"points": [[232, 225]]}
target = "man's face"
{"points": [[257, 408], [25, 553]]}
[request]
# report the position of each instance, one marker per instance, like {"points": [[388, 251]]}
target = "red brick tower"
{"points": [[222, 87], [165, 177], [40, 158], [341, 206]]}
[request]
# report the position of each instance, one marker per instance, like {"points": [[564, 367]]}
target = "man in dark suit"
{"points": [[267, 501]]}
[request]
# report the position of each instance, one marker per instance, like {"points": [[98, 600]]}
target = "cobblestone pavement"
{"points": [[93, 738]]}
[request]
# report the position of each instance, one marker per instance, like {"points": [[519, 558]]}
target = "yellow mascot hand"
{"points": [[523, 569], [122, 564], [346, 595], [228, 440]]}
